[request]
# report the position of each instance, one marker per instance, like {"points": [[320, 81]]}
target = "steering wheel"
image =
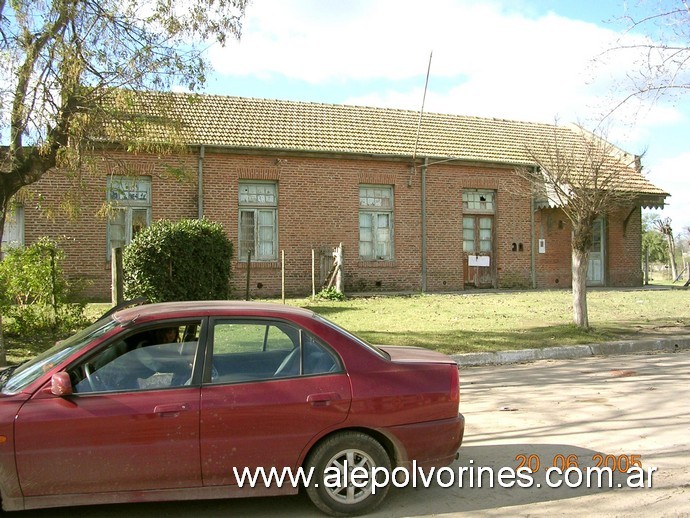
{"points": [[95, 382]]}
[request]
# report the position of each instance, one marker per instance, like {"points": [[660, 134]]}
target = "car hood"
{"points": [[405, 354]]}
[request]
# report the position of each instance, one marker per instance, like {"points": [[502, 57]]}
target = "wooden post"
{"points": [[338, 255], [249, 270], [313, 274], [117, 293], [282, 274], [53, 287], [646, 266]]}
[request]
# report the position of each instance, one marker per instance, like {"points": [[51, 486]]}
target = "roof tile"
{"points": [[237, 122]]}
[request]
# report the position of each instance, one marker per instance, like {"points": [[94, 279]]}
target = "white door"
{"points": [[595, 269]]}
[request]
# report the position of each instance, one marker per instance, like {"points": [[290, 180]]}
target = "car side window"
{"points": [[239, 337], [153, 358], [251, 351]]}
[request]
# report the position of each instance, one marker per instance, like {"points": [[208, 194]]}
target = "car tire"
{"points": [[329, 456]]}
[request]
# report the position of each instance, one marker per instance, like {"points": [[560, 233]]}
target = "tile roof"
{"points": [[238, 122]]}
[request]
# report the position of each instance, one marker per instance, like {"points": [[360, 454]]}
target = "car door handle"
{"points": [[323, 399], [170, 410]]}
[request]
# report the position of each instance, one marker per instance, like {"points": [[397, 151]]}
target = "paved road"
{"points": [[612, 407]]}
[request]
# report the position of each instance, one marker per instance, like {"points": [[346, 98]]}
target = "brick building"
{"points": [[435, 206]]}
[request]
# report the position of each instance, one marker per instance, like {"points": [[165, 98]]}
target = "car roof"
{"points": [[198, 308]]}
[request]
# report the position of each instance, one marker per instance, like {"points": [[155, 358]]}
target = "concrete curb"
{"points": [[667, 344]]}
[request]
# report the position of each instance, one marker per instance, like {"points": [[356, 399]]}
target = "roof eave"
{"points": [[419, 158]]}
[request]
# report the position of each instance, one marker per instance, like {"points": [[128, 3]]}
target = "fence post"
{"points": [[313, 274], [249, 271], [282, 274], [53, 285], [117, 295]]}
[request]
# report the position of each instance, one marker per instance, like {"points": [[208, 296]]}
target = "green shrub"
{"points": [[183, 260], [330, 294], [35, 293]]}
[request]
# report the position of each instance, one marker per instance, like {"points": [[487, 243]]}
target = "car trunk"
{"points": [[403, 354]]}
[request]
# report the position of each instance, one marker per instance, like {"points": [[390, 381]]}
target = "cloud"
{"points": [[504, 63], [492, 59], [671, 174]]}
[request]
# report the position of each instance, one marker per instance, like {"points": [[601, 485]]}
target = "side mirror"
{"points": [[61, 384]]}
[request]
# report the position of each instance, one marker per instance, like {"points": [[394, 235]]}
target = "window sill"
{"points": [[242, 265], [376, 263]]}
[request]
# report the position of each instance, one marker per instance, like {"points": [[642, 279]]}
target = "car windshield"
{"points": [[28, 372]]}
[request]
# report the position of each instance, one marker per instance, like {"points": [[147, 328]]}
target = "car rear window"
{"points": [[377, 351]]}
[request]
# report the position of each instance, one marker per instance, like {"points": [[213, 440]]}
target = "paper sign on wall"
{"points": [[479, 260]]}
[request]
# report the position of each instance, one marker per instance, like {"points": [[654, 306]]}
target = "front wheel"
{"points": [[343, 469]]}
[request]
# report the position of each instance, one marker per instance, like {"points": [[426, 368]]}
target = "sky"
{"points": [[530, 60]]}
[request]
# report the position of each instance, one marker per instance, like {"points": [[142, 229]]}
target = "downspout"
{"points": [[533, 240], [200, 182], [423, 193]]}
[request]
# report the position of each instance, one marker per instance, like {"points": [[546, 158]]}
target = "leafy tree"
{"points": [[655, 244], [581, 176], [59, 59]]}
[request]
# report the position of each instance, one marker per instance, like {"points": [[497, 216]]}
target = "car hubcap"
{"points": [[345, 463]]}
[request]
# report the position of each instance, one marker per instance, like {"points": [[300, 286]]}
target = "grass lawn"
{"points": [[508, 320], [483, 321]]}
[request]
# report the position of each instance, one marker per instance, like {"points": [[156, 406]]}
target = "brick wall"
{"points": [[553, 266], [83, 233], [624, 252], [622, 256], [318, 207]]}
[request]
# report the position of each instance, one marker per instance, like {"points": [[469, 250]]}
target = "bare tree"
{"points": [[658, 35], [59, 60], [583, 175], [664, 227]]}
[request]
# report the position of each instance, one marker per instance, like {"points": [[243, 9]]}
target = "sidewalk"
{"points": [[666, 344]]}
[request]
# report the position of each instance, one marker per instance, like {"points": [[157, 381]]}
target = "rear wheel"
{"points": [[343, 467]]}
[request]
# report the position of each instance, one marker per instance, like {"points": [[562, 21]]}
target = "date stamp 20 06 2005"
{"points": [[620, 463]]}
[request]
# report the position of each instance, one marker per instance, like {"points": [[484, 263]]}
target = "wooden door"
{"points": [[478, 251]]}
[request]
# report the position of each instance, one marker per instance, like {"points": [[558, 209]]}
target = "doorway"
{"points": [[595, 266], [478, 237], [478, 245]]}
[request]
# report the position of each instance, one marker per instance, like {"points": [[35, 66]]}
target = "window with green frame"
{"points": [[258, 211], [129, 200], [478, 207], [375, 222]]}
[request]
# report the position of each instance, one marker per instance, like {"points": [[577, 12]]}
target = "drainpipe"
{"points": [[533, 240], [423, 180], [200, 182]]}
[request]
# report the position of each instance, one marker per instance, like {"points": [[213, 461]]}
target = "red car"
{"points": [[188, 400]]}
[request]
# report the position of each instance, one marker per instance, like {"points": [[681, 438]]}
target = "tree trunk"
{"points": [[580, 260], [672, 256], [338, 256], [3, 352]]}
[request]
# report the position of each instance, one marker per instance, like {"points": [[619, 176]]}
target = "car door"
{"points": [[107, 438], [253, 416]]}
